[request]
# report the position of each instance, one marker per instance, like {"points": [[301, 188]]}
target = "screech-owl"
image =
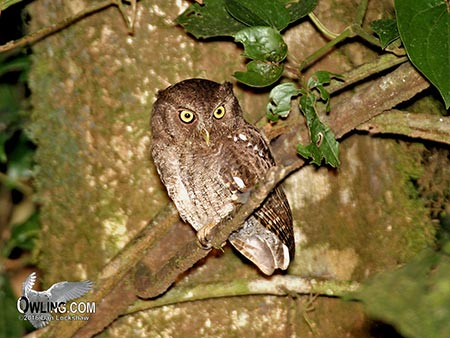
{"points": [[207, 155]]}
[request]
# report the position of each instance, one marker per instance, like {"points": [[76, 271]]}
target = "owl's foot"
{"points": [[204, 236]]}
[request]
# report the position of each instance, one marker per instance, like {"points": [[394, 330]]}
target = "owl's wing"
{"points": [[275, 214], [248, 162], [247, 159]]}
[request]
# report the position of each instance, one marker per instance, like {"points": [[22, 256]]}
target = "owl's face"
{"points": [[196, 112]]}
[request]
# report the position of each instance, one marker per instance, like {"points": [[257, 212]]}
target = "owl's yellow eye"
{"points": [[186, 116], [219, 112]]}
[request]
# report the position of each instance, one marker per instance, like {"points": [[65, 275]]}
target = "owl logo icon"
{"points": [[38, 306]]}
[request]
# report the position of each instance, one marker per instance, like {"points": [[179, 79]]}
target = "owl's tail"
{"points": [[261, 246]]}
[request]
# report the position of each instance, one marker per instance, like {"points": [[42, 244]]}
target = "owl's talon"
{"points": [[204, 235], [204, 246]]}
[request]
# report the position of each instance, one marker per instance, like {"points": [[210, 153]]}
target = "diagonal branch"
{"points": [[375, 97]]}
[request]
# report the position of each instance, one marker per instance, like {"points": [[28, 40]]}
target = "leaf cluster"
{"points": [[323, 145], [256, 24]]}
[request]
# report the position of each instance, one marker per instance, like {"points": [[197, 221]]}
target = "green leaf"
{"points": [[209, 20], [415, 298], [10, 326], [10, 118], [280, 100], [318, 80], [424, 27], [262, 43], [301, 8], [23, 235], [259, 13], [260, 74], [16, 64], [387, 31], [20, 161], [323, 144]]}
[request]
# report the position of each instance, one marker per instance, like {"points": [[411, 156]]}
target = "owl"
{"points": [[208, 157]]}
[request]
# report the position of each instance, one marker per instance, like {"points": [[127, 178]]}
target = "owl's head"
{"points": [[196, 111]]}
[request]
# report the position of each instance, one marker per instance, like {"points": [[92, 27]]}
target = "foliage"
{"points": [[265, 46], [226, 18], [9, 325], [387, 31], [323, 144], [424, 28], [414, 298], [255, 24], [23, 235], [16, 149]]}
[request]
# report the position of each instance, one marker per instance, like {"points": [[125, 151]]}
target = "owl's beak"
{"points": [[205, 134]]}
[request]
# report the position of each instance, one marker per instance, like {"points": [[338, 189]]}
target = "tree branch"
{"points": [[375, 97], [119, 269], [357, 74], [277, 285], [416, 125]]}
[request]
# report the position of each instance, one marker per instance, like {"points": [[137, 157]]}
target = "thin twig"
{"points": [[351, 31], [16, 184], [322, 28], [44, 32], [366, 70], [361, 12], [325, 49]]}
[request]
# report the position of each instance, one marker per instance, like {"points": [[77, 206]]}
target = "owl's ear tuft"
{"points": [[228, 86], [160, 93], [226, 90]]}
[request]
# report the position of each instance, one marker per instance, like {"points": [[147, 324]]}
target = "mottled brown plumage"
{"points": [[207, 156]]}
